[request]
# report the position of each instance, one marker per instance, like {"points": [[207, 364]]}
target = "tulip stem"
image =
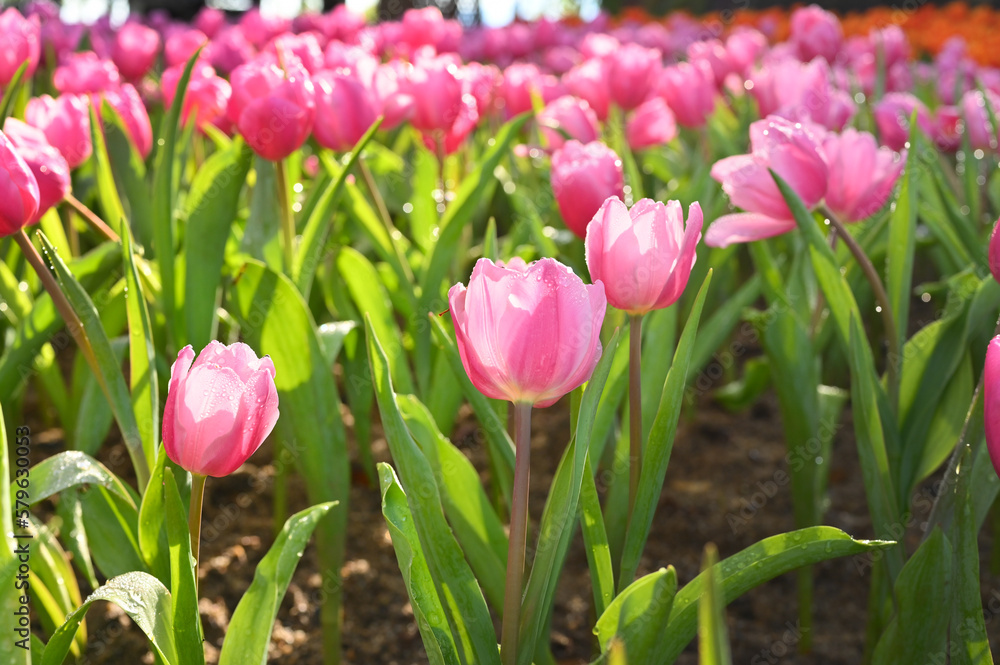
{"points": [[518, 535], [194, 518], [383, 212], [820, 300], [634, 408], [91, 218], [287, 218], [882, 298]]}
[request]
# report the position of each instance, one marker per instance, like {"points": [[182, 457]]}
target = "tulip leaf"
{"points": [[645, 602], [183, 575], [129, 171], [656, 455], [595, 539], [107, 190], [611, 400], [10, 652], [477, 527], [152, 534], [559, 517], [318, 223], [108, 369], [72, 468], [211, 208], [902, 244], [12, 91], [713, 640], [112, 526], [275, 321], [142, 353], [54, 590], [42, 324], [250, 628], [143, 598], [462, 597], [74, 534]]}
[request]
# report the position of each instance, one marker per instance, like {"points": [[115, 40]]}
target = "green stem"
{"points": [[634, 408], [518, 535], [287, 218], [383, 212], [194, 518], [91, 218]]}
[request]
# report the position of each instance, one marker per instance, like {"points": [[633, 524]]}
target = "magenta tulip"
{"points": [[994, 252], [816, 32], [47, 165], [206, 98], [65, 121], [634, 71], [651, 124], [947, 128], [643, 255], [689, 90], [210, 21], [583, 177], [522, 81], [83, 73], [305, 47], [527, 333], [21, 43], [861, 175], [135, 49], [571, 115], [794, 152], [345, 109], [892, 117], [229, 49], [801, 93], [482, 81], [274, 110], [393, 93], [977, 118], [181, 44], [745, 46], [219, 408], [127, 103], [714, 54], [991, 401], [442, 110], [589, 81], [19, 196]]}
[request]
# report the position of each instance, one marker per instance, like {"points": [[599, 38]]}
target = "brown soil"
{"points": [[718, 460]]}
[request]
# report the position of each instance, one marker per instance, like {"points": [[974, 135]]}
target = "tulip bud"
{"points": [[527, 333], [816, 32], [135, 49], [219, 409], [18, 190], [345, 109], [21, 42], [634, 71], [65, 121], [82, 73], [651, 124], [583, 177], [571, 115], [47, 165], [991, 399], [995, 252]]}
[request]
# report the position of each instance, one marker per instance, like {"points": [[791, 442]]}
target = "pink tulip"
{"points": [[892, 117], [589, 81], [345, 109], [861, 175], [83, 73], [59, 38], [127, 103], [260, 29], [305, 47], [715, 55], [994, 252], [816, 32], [181, 45], [135, 49], [947, 128], [689, 90], [47, 165], [219, 409], [391, 85], [977, 118], [583, 177], [210, 21], [274, 110], [65, 121], [19, 196], [229, 49], [571, 115], [634, 71], [650, 125], [794, 152], [207, 95], [745, 46], [991, 401], [801, 92], [643, 255], [481, 81], [353, 59], [21, 42], [599, 45], [428, 27], [443, 111], [527, 333], [523, 80]]}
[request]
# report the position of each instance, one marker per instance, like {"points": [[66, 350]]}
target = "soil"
{"points": [[722, 463]]}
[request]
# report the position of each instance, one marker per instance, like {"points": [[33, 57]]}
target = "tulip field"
{"points": [[643, 340]]}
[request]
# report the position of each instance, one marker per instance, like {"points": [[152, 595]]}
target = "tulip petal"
{"points": [[745, 227]]}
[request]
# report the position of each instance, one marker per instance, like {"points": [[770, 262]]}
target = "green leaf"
{"points": [[72, 469], [11, 93], [713, 639], [902, 243], [318, 224], [211, 208], [152, 533], [74, 534], [656, 455], [464, 606], [107, 191], [261, 233], [183, 576], [428, 611], [112, 526], [752, 567], [250, 628], [595, 539], [143, 598], [636, 613], [129, 171], [9, 593], [142, 354], [107, 370]]}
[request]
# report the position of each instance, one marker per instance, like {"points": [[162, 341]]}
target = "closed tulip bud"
{"points": [[47, 165], [127, 103], [571, 115], [861, 175], [633, 72], [589, 81], [83, 73], [643, 255], [690, 92], [991, 401], [982, 136], [18, 190], [21, 43], [135, 49], [345, 109], [65, 121], [995, 252], [583, 177], [651, 124], [816, 32], [207, 95], [219, 408], [527, 333], [892, 117], [181, 44]]}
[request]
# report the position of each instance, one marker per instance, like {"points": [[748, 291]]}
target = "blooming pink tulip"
{"points": [[207, 95], [260, 29], [994, 253], [651, 124], [892, 117], [135, 49], [801, 92], [527, 333], [21, 42], [65, 121], [274, 110], [816, 32], [345, 109], [583, 177], [861, 175], [794, 152], [19, 194], [977, 118], [991, 401], [689, 90], [127, 103], [521, 81], [83, 73], [443, 111], [392, 89], [47, 165], [634, 71], [571, 115], [643, 255], [589, 81], [219, 409], [354, 59]]}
